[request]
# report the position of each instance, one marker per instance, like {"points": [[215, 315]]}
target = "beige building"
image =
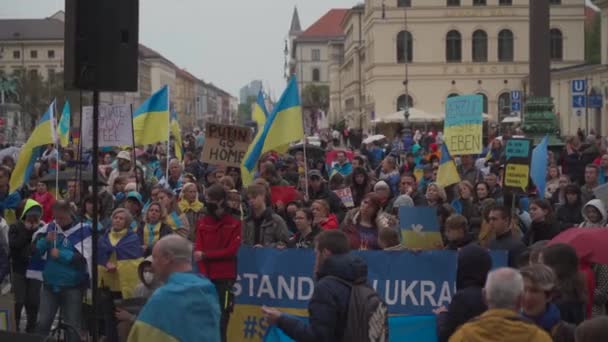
{"points": [[442, 48], [185, 97]]}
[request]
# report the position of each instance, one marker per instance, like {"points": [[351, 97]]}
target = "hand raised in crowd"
{"points": [[198, 255]]}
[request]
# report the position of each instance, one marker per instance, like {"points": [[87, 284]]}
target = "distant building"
{"points": [[251, 89]]}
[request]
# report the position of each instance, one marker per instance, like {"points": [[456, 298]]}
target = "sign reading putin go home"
{"points": [[463, 126], [226, 145]]}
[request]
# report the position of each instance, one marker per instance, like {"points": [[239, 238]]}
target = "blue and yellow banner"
{"points": [[463, 125], [259, 114], [151, 119], [63, 127]]}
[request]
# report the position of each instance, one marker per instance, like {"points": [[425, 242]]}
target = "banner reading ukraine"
{"points": [[463, 125], [412, 284]]}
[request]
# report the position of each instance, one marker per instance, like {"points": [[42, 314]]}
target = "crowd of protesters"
{"points": [[547, 291]]}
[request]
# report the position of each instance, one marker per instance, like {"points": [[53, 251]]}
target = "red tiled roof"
{"points": [[327, 26]]}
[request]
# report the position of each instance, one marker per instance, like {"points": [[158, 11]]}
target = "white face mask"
{"points": [[148, 277]]}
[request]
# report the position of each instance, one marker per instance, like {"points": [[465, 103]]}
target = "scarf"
{"points": [[174, 221], [151, 233], [186, 206], [548, 319]]}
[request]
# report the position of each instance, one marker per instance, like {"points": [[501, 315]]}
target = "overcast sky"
{"points": [[227, 42]]}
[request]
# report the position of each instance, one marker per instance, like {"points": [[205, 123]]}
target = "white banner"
{"points": [[115, 126]]}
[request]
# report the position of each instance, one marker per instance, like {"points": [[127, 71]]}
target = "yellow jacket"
{"points": [[500, 325]]}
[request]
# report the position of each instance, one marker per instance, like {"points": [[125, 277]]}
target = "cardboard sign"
{"points": [[420, 228], [226, 145], [517, 176], [463, 125], [115, 126], [346, 196]]}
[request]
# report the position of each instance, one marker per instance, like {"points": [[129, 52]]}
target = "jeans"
{"points": [[69, 300]]}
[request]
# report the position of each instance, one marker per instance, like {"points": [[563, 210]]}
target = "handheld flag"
{"points": [[259, 115], [447, 173], [151, 118], [283, 126], [538, 171], [41, 136], [63, 128], [177, 136]]}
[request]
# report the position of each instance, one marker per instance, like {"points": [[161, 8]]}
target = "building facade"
{"points": [[250, 90]]}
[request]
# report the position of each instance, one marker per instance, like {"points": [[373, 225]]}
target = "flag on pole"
{"points": [[177, 136], [282, 127], [538, 170], [42, 135], [63, 128], [259, 114], [151, 118], [447, 173]]}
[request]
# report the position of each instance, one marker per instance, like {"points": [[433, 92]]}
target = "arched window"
{"points": [[401, 102], [316, 75], [405, 47], [404, 3], [504, 105], [556, 45], [453, 47], [505, 46], [485, 102], [480, 46]]}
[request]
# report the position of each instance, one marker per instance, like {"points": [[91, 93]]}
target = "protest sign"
{"points": [[518, 152], [463, 124], [346, 195], [419, 228], [517, 176], [115, 126], [225, 145], [411, 284], [518, 148]]}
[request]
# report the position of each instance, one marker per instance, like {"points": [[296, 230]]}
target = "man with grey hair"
{"points": [[503, 293], [186, 307]]}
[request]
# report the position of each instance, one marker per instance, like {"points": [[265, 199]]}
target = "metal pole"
{"points": [[95, 233], [587, 105]]}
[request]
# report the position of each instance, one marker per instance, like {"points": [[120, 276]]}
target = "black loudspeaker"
{"points": [[16, 337], [101, 44]]}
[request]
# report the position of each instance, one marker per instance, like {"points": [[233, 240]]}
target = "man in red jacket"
{"points": [[218, 237]]}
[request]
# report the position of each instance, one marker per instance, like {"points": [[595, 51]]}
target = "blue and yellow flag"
{"points": [[125, 252], [42, 135], [447, 173], [177, 136], [282, 127], [151, 119], [63, 128], [260, 113]]}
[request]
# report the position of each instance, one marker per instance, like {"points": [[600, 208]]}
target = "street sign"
{"points": [[579, 86], [516, 96], [515, 106], [578, 101], [595, 101]]}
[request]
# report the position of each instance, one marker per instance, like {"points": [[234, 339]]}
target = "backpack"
{"points": [[367, 315]]}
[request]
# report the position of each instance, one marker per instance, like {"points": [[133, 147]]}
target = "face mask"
{"points": [[148, 277]]}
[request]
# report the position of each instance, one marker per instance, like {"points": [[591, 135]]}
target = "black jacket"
{"points": [[20, 242], [569, 216], [328, 306], [506, 242], [474, 263], [335, 203], [540, 231]]}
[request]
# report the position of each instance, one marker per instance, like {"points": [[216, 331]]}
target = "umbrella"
{"points": [[589, 243], [312, 152], [373, 138], [72, 174]]}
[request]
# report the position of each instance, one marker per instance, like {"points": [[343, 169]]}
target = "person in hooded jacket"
{"points": [[218, 238], [474, 263], [569, 215], [594, 214]]}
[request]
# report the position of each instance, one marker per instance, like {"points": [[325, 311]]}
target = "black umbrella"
{"points": [[313, 152], [85, 176]]}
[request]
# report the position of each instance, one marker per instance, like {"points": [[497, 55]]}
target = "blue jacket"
{"points": [[70, 268], [328, 306]]}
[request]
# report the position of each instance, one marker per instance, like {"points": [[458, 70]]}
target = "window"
{"points": [[405, 47], [33, 74], [504, 105], [16, 54], [453, 2], [485, 102], [316, 75], [51, 54], [33, 54], [316, 55], [505, 46], [556, 45], [555, 2], [453, 47], [401, 102], [404, 3], [479, 2], [51, 75], [505, 2], [480, 46]]}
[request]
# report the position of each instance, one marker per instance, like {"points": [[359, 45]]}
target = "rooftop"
{"points": [[327, 27], [31, 29]]}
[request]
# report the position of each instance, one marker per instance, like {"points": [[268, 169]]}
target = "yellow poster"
{"points": [[517, 176]]}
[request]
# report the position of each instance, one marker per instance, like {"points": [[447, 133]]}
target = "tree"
{"points": [[593, 34], [316, 97]]}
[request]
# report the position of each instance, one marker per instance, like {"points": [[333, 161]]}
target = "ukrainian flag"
{"points": [[177, 136], [260, 113], [283, 126], [42, 135], [63, 128], [447, 173], [150, 120]]}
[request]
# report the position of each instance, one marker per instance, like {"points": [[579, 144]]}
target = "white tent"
{"points": [[416, 116]]}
